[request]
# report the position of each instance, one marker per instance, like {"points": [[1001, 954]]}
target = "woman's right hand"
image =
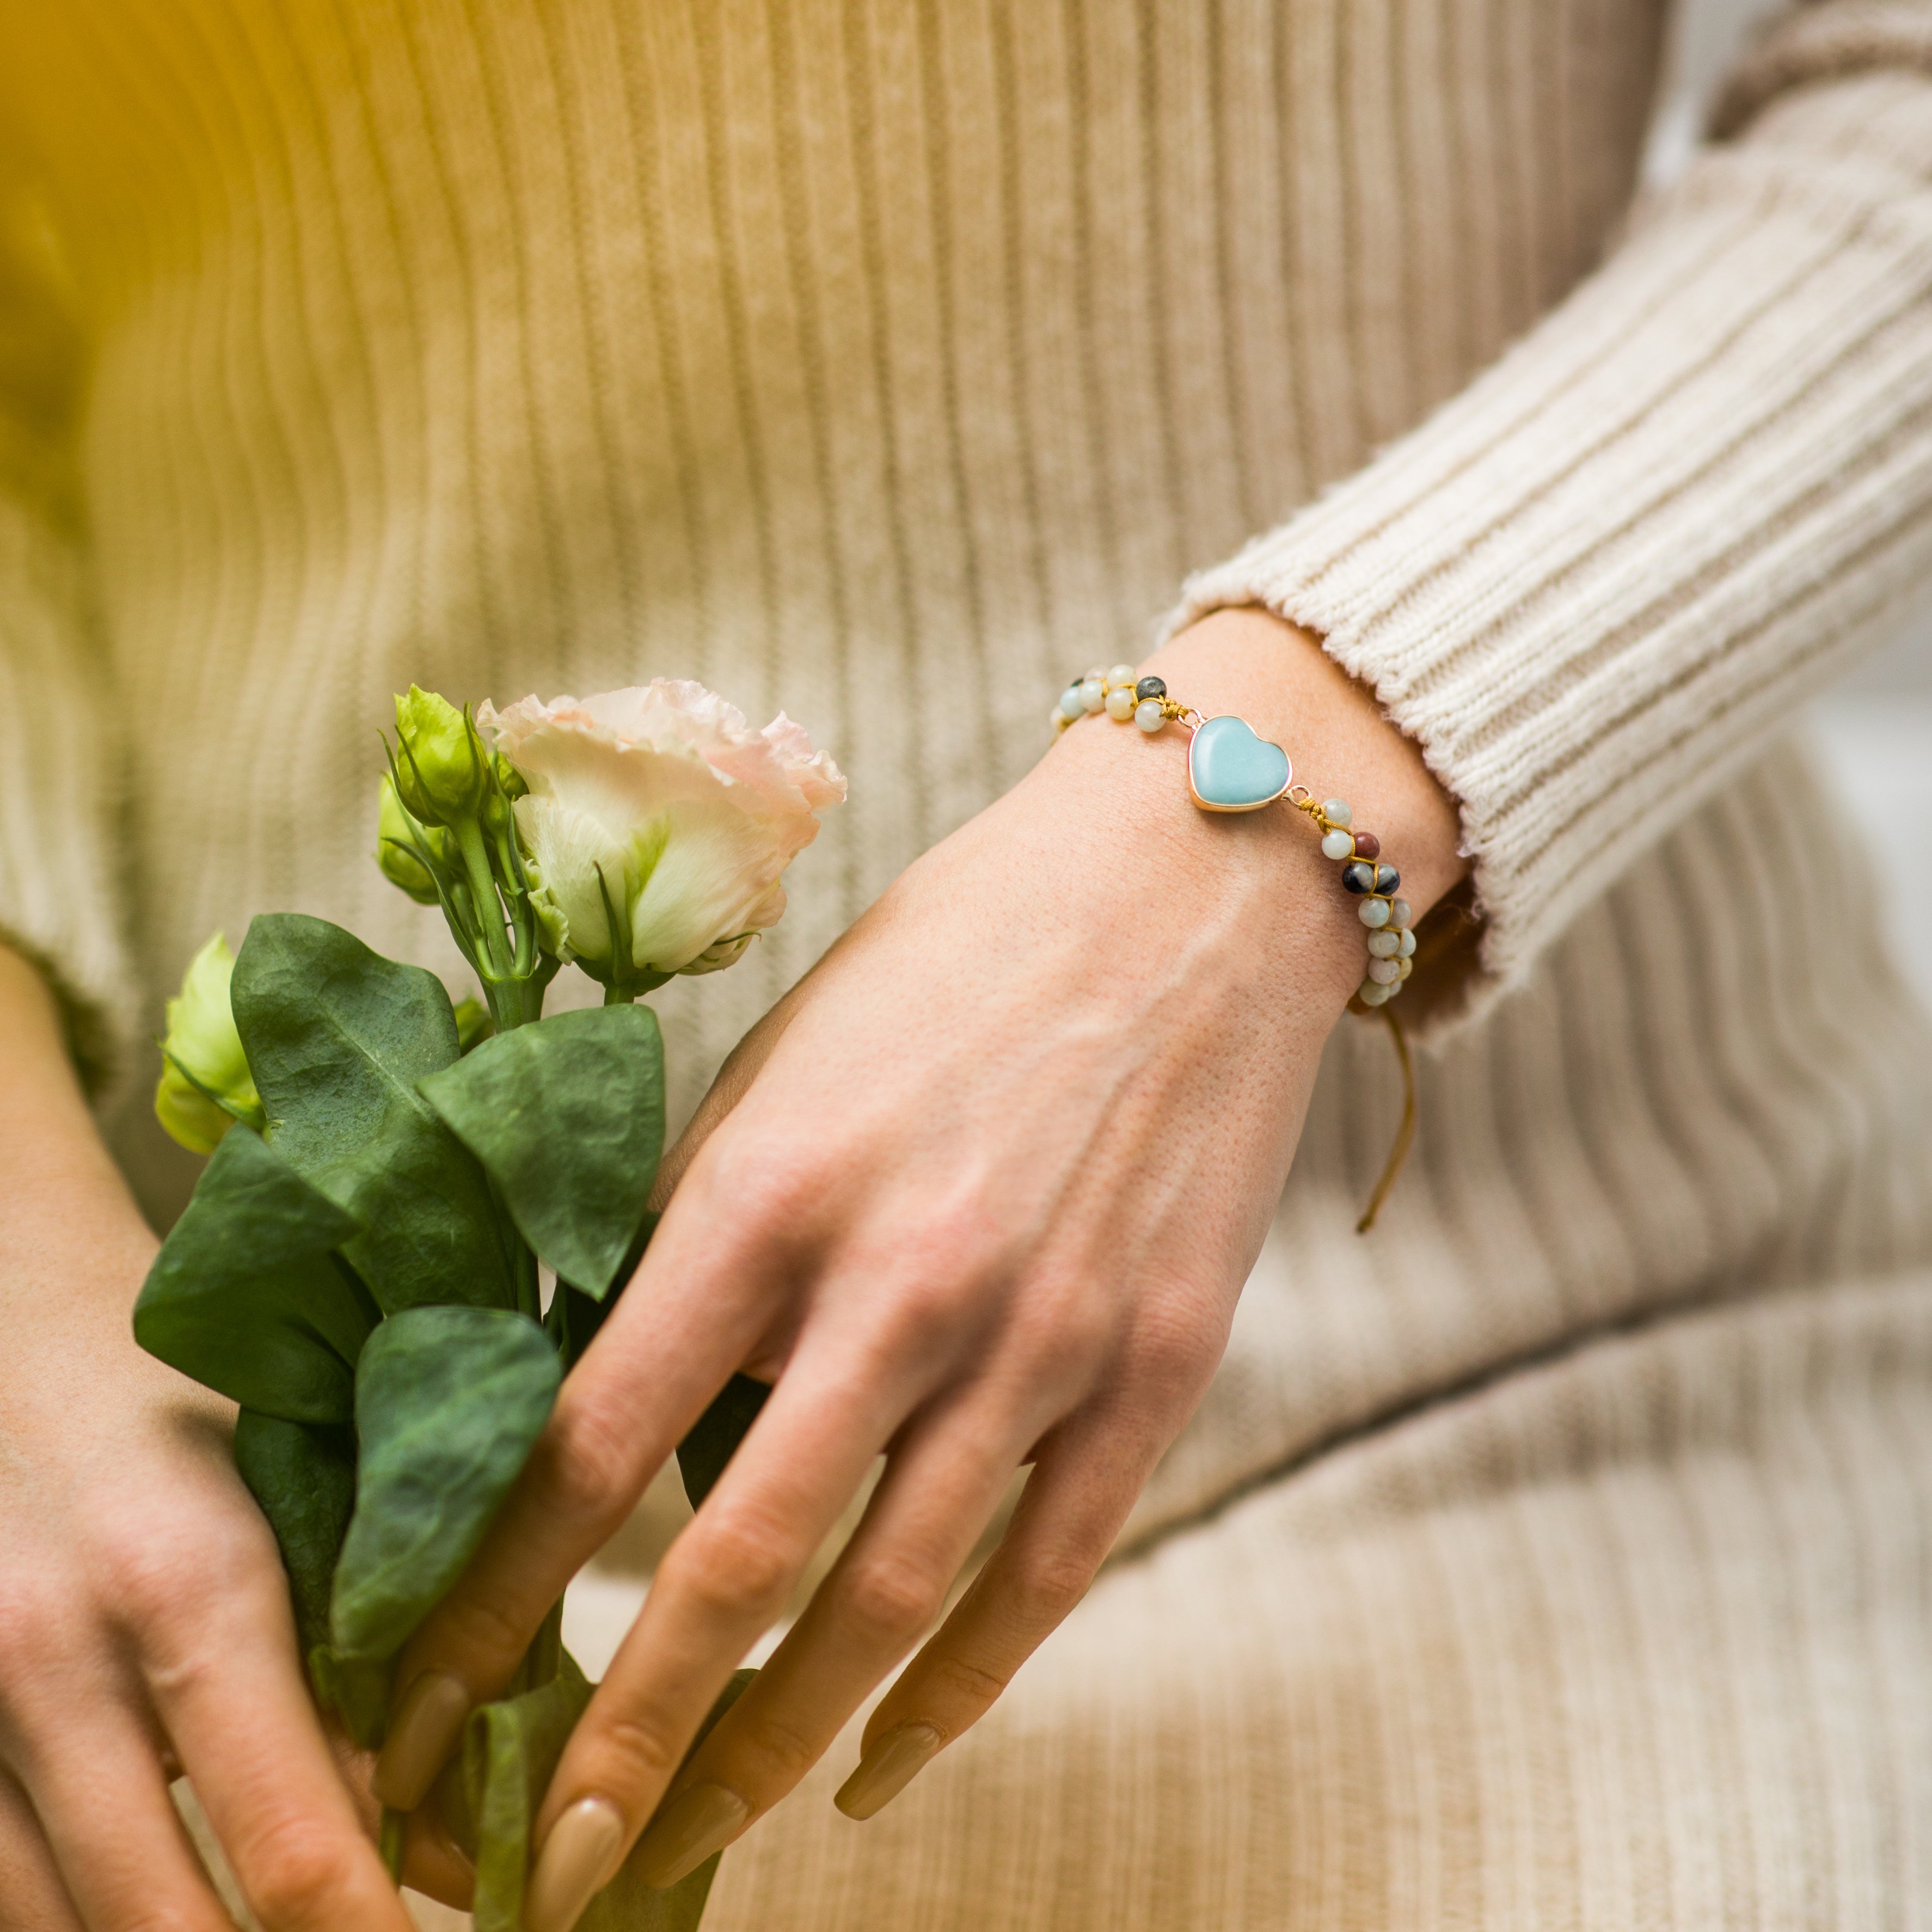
{"points": [[145, 1625]]}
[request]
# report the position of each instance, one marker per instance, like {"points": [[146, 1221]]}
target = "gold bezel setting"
{"points": [[1255, 804]]}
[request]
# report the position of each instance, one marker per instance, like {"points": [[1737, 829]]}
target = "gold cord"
{"points": [[1405, 1135]]}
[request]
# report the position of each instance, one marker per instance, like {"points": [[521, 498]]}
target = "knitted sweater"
{"points": [[885, 360]]}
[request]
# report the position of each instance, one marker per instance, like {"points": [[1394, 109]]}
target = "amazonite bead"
{"points": [[1371, 995], [1406, 947], [1338, 845], [1148, 716], [1071, 704], [1404, 967], [1385, 972], [1375, 912], [1121, 702], [1121, 674], [1337, 811], [1399, 912], [1385, 945], [1093, 694]]}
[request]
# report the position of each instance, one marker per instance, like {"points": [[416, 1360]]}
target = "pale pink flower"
{"points": [[687, 816]]}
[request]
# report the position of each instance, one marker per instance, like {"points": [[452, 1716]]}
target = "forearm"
{"points": [[65, 1198]]}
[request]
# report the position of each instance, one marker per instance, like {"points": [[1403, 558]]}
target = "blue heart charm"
{"points": [[1231, 769]]}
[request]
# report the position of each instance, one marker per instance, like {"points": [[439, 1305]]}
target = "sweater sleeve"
{"points": [[58, 896], [1594, 584]]}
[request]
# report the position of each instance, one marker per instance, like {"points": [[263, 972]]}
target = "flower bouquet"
{"points": [[360, 1271]]}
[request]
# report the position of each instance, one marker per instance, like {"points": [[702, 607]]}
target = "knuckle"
{"points": [[924, 1311], [476, 1627], [292, 1870], [735, 1566], [162, 1576], [1044, 1586], [976, 1685], [1177, 1353], [1066, 1337], [585, 1465], [636, 1747], [946, 1243], [778, 1754], [887, 1601], [34, 1612], [772, 1183]]}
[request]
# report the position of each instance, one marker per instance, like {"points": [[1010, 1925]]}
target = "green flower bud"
{"points": [[441, 768], [395, 851], [206, 1084], [473, 1024]]}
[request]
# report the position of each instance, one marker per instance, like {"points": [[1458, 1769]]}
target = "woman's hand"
{"points": [[145, 1625], [984, 1188]]}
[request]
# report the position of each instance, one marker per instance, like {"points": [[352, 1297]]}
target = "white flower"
{"points": [[662, 800]]}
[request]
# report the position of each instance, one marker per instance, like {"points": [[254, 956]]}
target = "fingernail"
{"points": [[693, 1826], [578, 1859], [893, 1762], [422, 1736]]}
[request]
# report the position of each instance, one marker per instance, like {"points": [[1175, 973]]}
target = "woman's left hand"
{"points": [[983, 1188]]}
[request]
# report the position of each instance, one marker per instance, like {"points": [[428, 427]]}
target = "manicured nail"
{"points": [[578, 1859], [422, 1736], [693, 1826], [893, 1762]]}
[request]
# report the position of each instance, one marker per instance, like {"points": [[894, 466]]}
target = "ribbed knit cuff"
{"points": [[58, 901], [1592, 585]]}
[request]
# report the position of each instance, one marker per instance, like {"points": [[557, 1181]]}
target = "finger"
{"points": [[433, 1862], [718, 1590], [238, 1712], [742, 1066], [30, 1881], [123, 1855], [942, 1483], [691, 1316], [1085, 1478]]}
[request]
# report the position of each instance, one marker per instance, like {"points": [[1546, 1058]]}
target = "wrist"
{"points": [[62, 1189], [1279, 678], [1260, 875]]}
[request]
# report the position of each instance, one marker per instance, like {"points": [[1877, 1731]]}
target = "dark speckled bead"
{"points": [[1367, 845], [1358, 878], [1150, 687], [1387, 879]]}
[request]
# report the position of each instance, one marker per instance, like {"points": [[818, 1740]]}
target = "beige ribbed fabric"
{"points": [[1561, 1554], [1591, 584]]}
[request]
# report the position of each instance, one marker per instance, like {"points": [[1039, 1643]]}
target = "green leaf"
{"points": [[490, 1796], [573, 1319], [357, 1687], [337, 1038], [303, 1475], [448, 1403], [568, 1116], [245, 1296], [715, 1434]]}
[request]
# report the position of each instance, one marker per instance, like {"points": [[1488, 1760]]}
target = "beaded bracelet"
{"points": [[1230, 768]]}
